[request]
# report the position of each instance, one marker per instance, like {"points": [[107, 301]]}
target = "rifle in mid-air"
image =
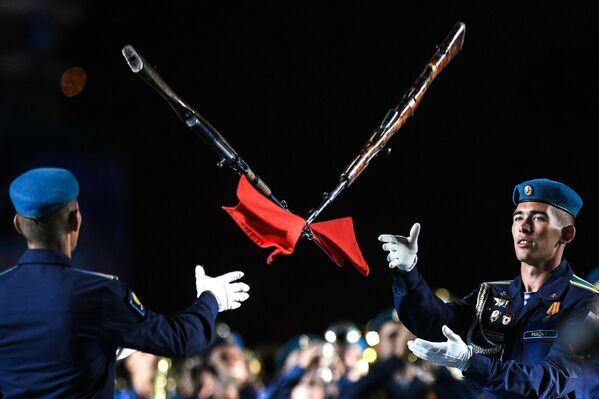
{"points": [[395, 117], [270, 223], [196, 122]]}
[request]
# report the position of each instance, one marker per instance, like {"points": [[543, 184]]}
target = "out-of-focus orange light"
{"points": [[73, 81]]}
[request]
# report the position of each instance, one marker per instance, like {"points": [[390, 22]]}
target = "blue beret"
{"points": [[39, 192], [550, 192], [389, 314], [298, 342]]}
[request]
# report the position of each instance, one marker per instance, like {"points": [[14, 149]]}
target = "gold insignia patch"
{"points": [[502, 302], [136, 304], [135, 298]]}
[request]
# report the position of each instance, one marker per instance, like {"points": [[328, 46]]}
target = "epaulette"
{"points": [[106, 276], [504, 282], [577, 281]]}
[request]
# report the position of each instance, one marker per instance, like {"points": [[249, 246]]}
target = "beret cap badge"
{"points": [[528, 190]]}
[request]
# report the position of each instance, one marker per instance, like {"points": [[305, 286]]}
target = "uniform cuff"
{"points": [[411, 279], [207, 298], [479, 369]]}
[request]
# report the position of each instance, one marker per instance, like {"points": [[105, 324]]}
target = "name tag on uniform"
{"points": [[540, 334]]}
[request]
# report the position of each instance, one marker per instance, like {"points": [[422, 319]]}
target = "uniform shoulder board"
{"points": [[501, 282], [106, 276], [577, 281]]}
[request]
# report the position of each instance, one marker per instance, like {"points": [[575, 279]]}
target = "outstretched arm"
{"points": [[126, 322], [422, 312]]}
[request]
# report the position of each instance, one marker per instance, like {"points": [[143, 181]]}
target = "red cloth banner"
{"points": [[269, 225]]}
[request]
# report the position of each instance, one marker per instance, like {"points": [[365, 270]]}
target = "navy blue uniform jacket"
{"points": [[534, 361], [60, 328]]}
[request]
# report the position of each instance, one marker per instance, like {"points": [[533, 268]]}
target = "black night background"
{"points": [[297, 88]]}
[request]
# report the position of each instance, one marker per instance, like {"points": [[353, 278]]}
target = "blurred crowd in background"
{"points": [[346, 361]]}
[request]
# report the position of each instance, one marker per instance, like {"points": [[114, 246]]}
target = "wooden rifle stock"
{"points": [[397, 116]]}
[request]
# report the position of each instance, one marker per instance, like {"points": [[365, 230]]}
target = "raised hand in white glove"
{"points": [[453, 353], [402, 250], [228, 295]]}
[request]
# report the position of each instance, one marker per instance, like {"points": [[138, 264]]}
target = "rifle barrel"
{"points": [[209, 135]]}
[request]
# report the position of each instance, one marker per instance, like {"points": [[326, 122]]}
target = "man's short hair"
{"points": [[47, 229], [564, 218]]}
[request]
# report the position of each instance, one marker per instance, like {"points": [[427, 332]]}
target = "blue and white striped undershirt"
{"points": [[527, 296]]}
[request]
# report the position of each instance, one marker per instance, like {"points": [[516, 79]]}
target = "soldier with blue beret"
{"points": [[293, 362], [506, 335], [61, 326]]}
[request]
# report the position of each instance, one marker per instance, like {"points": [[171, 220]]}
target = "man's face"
{"points": [[394, 337], [536, 231]]}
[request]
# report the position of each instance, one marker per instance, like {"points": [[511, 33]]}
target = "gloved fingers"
{"points": [[388, 238], [414, 232], [394, 262], [418, 350], [393, 255], [234, 305], [431, 347], [450, 335], [231, 276], [200, 271], [239, 296], [390, 247], [238, 287]]}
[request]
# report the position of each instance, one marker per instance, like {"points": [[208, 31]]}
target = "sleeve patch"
{"points": [[136, 304]]}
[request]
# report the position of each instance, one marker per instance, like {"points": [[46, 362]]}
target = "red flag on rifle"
{"points": [[268, 225]]}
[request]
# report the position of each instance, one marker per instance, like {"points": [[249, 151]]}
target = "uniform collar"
{"points": [[557, 282], [44, 256], [510, 290], [550, 291]]}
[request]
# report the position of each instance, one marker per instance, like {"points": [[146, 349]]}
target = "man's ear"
{"points": [[568, 234], [74, 220], [15, 221]]}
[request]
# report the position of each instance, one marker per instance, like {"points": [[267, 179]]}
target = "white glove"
{"points": [[453, 353], [402, 250], [228, 295]]}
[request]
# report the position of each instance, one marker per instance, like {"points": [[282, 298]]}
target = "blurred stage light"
{"points": [[372, 338], [353, 336], [73, 81], [369, 355], [330, 336]]}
